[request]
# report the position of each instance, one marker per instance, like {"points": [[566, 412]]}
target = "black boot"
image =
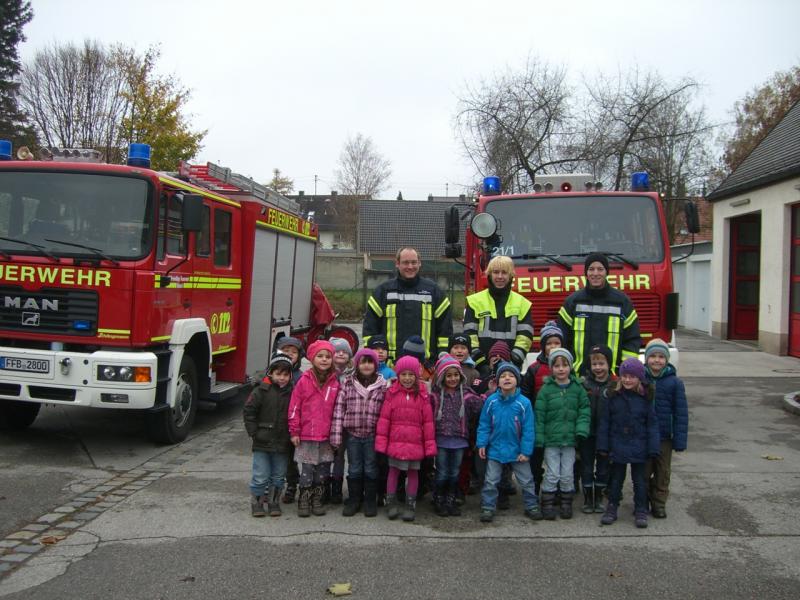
{"points": [[549, 506], [304, 502], [336, 490], [370, 497], [410, 509], [440, 499], [453, 509], [274, 503], [355, 488], [588, 500], [392, 507], [289, 493], [566, 504], [599, 494], [317, 506], [257, 506]]}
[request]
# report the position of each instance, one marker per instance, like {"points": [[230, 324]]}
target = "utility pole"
{"points": [[446, 190], [315, 185]]}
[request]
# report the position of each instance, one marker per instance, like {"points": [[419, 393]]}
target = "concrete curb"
{"points": [[791, 404]]}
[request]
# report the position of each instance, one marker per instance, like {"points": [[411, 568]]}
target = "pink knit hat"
{"points": [[445, 362], [407, 363], [366, 353], [315, 347]]}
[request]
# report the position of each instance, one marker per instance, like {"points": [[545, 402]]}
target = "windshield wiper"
{"points": [[550, 257], [617, 255], [95, 251], [31, 245]]}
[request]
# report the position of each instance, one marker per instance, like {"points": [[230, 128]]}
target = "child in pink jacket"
{"points": [[310, 416], [405, 433]]}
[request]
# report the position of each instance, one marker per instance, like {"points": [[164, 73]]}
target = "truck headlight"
{"points": [[123, 373]]}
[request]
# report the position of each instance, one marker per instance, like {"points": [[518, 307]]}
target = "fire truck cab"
{"points": [[122, 287], [549, 232]]}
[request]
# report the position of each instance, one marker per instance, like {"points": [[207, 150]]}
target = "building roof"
{"points": [[777, 157], [386, 225]]}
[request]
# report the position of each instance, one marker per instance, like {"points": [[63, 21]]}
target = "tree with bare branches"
{"points": [[14, 125], [362, 171]]}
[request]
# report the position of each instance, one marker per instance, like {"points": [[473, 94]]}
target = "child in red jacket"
{"points": [[405, 434], [310, 416]]}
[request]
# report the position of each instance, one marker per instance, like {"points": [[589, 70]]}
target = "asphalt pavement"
{"points": [[127, 519]]}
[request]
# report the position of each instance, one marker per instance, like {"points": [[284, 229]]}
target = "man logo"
{"points": [[30, 319]]}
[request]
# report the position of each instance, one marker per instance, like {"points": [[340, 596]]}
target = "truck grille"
{"points": [[33, 312]]}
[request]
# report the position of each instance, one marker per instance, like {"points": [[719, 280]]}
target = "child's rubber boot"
{"points": [[410, 509], [355, 488], [549, 506], [317, 507], [336, 490], [274, 502], [257, 506], [370, 498], [304, 502], [588, 500], [599, 493], [440, 499], [451, 501], [566, 504], [289, 493], [392, 508]]}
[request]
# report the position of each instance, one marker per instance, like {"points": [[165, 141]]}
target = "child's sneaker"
{"points": [[641, 520], [534, 514], [487, 516], [610, 515], [659, 512]]}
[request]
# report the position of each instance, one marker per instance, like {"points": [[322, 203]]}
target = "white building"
{"points": [[755, 282]]}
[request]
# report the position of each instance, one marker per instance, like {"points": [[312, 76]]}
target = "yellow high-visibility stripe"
{"points": [[523, 342], [630, 320], [115, 331], [629, 354], [443, 306], [376, 308], [474, 341], [562, 312], [286, 231], [443, 343], [391, 329], [613, 338], [580, 333], [223, 350], [160, 338], [427, 317]]}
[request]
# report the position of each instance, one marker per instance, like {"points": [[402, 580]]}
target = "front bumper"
{"points": [[71, 378]]}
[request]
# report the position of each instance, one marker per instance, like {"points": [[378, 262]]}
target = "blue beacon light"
{"points": [[139, 155], [491, 186], [5, 150], [640, 181]]}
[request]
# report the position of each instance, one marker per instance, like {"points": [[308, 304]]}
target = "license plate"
{"points": [[27, 365]]}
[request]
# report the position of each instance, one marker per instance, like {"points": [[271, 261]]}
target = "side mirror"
{"points": [[451, 226], [692, 218], [192, 213]]}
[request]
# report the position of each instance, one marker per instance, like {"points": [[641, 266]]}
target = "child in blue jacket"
{"points": [[628, 433], [505, 437], [673, 422]]}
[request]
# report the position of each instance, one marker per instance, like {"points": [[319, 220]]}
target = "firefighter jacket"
{"points": [[599, 316], [504, 315], [400, 308]]}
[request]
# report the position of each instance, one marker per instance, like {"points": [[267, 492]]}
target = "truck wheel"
{"points": [[173, 425], [345, 333], [16, 416]]}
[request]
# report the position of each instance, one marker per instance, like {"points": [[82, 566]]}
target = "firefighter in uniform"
{"points": [[409, 305], [599, 314], [498, 314]]}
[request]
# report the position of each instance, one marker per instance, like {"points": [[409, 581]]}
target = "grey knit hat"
{"points": [[341, 345], [414, 346], [562, 352]]}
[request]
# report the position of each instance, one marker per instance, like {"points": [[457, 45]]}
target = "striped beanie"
{"points": [[563, 353], [550, 329], [500, 349], [511, 367], [656, 345]]}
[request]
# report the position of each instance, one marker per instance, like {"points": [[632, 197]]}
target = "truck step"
{"points": [[224, 390]]}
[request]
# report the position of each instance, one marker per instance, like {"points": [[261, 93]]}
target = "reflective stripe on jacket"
{"points": [[484, 326]]}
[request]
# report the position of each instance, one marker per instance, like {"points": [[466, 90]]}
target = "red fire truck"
{"points": [[126, 288], [548, 234]]}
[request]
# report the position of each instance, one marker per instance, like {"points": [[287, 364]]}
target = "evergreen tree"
{"points": [[14, 14]]}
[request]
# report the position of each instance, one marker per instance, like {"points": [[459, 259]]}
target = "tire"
{"points": [[16, 416], [172, 425], [345, 333]]}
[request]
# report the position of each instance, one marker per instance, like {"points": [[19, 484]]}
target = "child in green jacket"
{"points": [[563, 416]]}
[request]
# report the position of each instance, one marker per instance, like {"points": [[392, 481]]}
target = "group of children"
{"points": [[476, 426]]}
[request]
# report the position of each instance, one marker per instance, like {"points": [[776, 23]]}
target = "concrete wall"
{"points": [[339, 270], [774, 205]]}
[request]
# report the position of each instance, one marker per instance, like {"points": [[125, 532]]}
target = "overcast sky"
{"points": [[283, 84]]}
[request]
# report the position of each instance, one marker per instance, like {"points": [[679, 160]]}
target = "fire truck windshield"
{"points": [[567, 226], [93, 215]]}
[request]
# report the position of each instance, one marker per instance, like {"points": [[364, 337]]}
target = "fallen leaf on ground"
{"points": [[189, 578], [771, 457], [49, 540], [340, 589], [615, 574]]}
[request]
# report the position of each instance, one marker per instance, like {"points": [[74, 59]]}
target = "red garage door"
{"points": [[794, 300], [745, 270]]}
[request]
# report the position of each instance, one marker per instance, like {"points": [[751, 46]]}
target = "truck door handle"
{"points": [[229, 302], [186, 304]]}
